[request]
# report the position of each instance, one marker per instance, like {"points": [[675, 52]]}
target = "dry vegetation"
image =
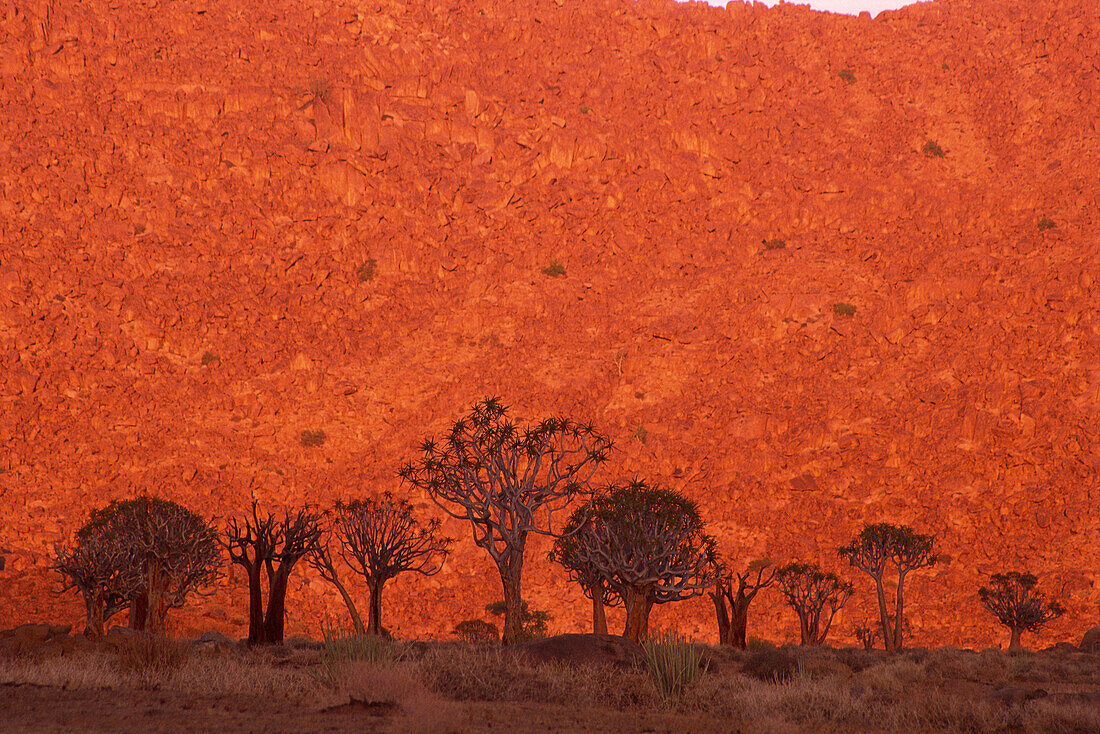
{"points": [[437, 687]]}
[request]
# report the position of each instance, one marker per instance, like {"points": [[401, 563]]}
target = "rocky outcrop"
{"points": [[224, 224]]}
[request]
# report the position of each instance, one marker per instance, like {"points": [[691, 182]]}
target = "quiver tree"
{"points": [[582, 568], [321, 561], [648, 546], [732, 594], [508, 482], [168, 549], [1011, 598], [380, 538], [883, 545], [105, 571], [815, 595], [266, 544]]}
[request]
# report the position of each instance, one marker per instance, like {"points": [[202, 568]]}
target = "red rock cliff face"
{"points": [[224, 223]]}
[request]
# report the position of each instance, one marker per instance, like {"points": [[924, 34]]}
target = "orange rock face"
{"points": [[226, 223]]}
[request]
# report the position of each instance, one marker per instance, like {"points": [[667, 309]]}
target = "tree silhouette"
{"points": [[815, 596], [508, 482], [647, 545], [274, 546], [380, 538], [879, 545], [732, 594], [144, 554], [1011, 597]]}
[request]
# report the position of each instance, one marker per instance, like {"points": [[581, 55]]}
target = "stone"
{"points": [[1090, 642]]}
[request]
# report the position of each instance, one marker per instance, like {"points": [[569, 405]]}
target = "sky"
{"points": [[853, 7]]}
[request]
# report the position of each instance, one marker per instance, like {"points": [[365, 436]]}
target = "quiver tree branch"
{"points": [[646, 544], [380, 539], [732, 594], [1011, 598], [508, 482], [815, 596], [265, 545], [321, 562]]}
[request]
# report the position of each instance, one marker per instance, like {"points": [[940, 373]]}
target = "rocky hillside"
{"points": [[814, 270]]}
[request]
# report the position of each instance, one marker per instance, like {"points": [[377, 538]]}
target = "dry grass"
{"points": [[431, 689]]}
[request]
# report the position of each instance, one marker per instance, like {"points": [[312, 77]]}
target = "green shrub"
{"points": [[1046, 223], [209, 358], [555, 269], [366, 270], [674, 664], [477, 631], [339, 648], [775, 244], [533, 621], [847, 75], [932, 149], [844, 309], [313, 438], [585, 109]]}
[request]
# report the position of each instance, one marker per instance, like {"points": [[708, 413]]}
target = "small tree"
{"points": [[1011, 597], [582, 569], [171, 550], [732, 594], [815, 596], [380, 538], [879, 545], [535, 621], [648, 546], [498, 476], [107, 574], [321, 562], [274, 546]]}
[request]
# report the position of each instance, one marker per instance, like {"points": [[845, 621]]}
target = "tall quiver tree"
{"points": [[732, 594], [581, 568], [508, 482], [880, 546], [275, 546], [105, 571], [1011, 597], [648, 546], [380, 538]]}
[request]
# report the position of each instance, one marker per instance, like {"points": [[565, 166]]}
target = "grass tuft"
{"points": [[932, 149], [847, 75], [674, 664]]}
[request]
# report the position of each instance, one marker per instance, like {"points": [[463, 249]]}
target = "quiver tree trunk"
{"points": [[739, 623], [1014, 644], [638, 605], [599, 618], [511, 570], [722, 613], [255, 605], [374, 614], [275, 621], [93, 625]]}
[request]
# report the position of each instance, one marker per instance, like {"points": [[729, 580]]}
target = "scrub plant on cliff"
{"points": [[881, 545], [508, 481], [646, 544], [379, 539], [815, 595], [1011, 598], [732, 594], [274, 546]]}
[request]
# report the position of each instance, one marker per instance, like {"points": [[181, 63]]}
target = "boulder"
{"points": [[1014, 695], [1091, 641], [575, 649], [214, 639]]}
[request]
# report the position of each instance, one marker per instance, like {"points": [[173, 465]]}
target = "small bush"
{"points": [[340, 649], [775, 244], [585, 109], [844, 309], [534, 621], [367, 270], [209, 358], [477, 631], [847, 75], [775, 665], [555, 269], [1046, 223], [151, 657], [756, 644], [867, 636], [932, 149], [674, 665], [313, 438]]}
